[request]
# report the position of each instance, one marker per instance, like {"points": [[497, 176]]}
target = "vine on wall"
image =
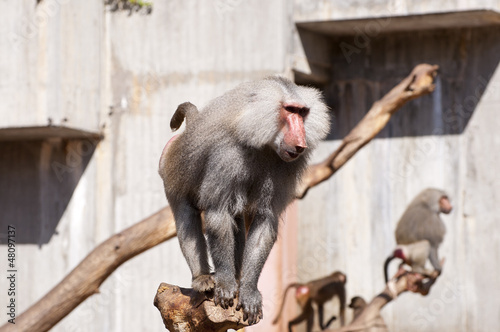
{"points": [[132, 6]]}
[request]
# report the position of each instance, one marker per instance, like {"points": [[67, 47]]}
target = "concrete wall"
{"points": [[443, 140], [52, 63], [117, 78], [322, 10]]}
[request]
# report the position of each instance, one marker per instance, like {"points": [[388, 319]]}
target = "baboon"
{"points": [[316, 291], [421, 221], [377, 324], [241, 156], [357, 304]]}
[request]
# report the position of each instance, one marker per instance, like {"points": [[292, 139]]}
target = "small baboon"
{"points": [[357, 304], [377, 324], [421, 221], [319, 292], [239, 157]]}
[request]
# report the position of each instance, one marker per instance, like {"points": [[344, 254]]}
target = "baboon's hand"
{"points": [[251, 303], [225, 292], [203, 283]]}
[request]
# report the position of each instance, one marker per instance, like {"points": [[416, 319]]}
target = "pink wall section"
{"points": [[279, 270]]}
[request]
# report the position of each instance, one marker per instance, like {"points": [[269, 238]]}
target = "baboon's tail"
{"points": [[386, 266], [292, 285], [184, 110]]}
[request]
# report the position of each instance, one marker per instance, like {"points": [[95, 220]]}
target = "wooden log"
{"points": [[186, 310]]}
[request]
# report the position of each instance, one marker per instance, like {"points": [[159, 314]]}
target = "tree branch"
{"points": [[86, 277], [370, 320], [417, 84], [186, 310]]}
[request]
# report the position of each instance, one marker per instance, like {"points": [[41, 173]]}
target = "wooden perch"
{"points": [[86, 277], [186, 310], [370, 320], [417, 84]]}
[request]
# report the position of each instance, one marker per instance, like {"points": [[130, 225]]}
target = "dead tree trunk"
{"points": [[86, 277]]}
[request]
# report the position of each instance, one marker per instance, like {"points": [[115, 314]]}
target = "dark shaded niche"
{"points": [[37, 180], [356, 62]]}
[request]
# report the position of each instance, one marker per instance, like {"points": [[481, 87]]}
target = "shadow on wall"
{"points": [[357, 71], [37, 181]]}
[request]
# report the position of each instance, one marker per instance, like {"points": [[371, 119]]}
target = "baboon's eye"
{"points": [[302, 111]]}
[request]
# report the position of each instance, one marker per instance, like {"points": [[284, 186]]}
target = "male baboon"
{"points": [[241, 155], [421, 221]]}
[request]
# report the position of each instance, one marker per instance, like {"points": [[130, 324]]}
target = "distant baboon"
{"points": [[357, 304], [421, 221], [316, 291], [377, 324], [240, 156]]}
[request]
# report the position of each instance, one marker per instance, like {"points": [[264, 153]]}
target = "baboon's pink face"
{"points": [[292, 139], [445, 205]]}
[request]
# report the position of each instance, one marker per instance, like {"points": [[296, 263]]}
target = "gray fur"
{"points": [[226, 164], [416, 255]]}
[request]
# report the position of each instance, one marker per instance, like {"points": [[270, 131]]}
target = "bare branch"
{"points": [[417, 84], [87, 277]]}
